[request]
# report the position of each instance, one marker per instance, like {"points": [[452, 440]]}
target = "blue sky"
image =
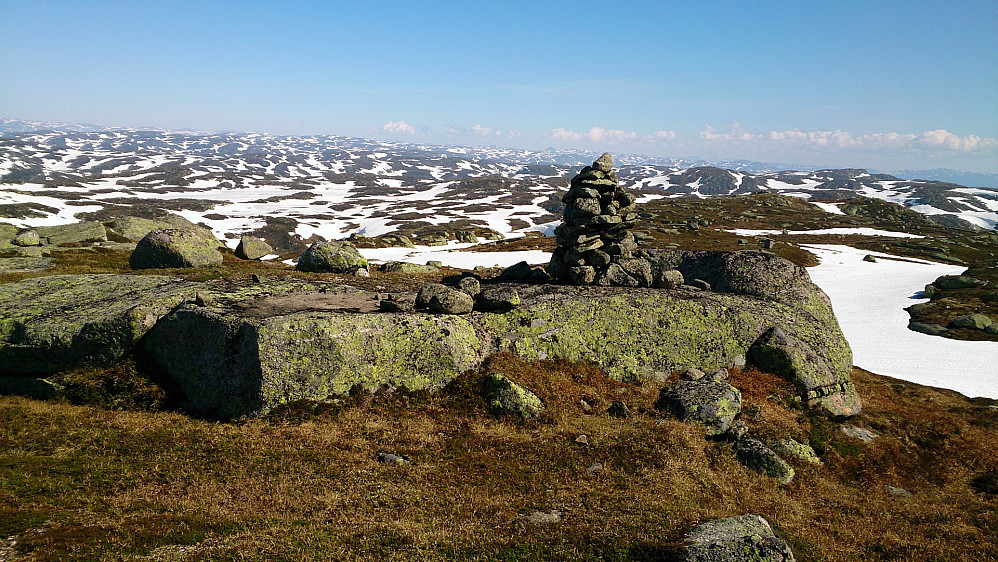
{"points": [[883, 85]]}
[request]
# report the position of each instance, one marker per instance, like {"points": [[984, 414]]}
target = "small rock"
{"points": [[930, 329], [362, 272], [711, 403], [27, 238], [544, 518], [427, 292], [768, 243], [595, 468], [452, 302], [619, 410], [586, 406], [737, 430], [864, 435], [737, 362], [958, 282], [901, 492], [435, 263], [391, 458], [517, 272], [992, 329], [203, 299], [252, 248], [257, 278], [736, 539], [870, 258], [582, 439], [176, 247], [760, 458], [972, 322], [794, 449], [498, 299], [505, 397], [720, 375], [604, 163], [469, 285], [330, 257], [395, 305], [692, 374], [667, 279], [700, 284], [406, 268]]}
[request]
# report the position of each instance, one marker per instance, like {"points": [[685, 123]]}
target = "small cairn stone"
{"points": [[595, 245]]}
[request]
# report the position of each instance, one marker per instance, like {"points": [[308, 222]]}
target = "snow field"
{"points": [[869, 301]]}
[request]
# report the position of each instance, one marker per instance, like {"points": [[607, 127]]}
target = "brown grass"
{"points": [[82, 483]]}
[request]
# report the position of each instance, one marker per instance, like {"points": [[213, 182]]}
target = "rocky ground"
{"points": [[245, 409]]}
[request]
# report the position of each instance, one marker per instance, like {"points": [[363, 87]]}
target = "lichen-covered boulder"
{"points": [[470, 285], [136, 228], [754, 273], [974, 321], [736, 539], [27, 238], [668, 279], [427, 292], [407, 268], [56, 323], [506, 398], [793, 449], [497, 298], [760, 458], [331, 257], [176, 248], [705, 401], [452, 301], [820, 386], [74, 233], [252, 248], [646, 333], [237, 359], [959, 282]]}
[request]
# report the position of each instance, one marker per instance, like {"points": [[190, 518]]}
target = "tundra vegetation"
{"points": [[117, 466]]}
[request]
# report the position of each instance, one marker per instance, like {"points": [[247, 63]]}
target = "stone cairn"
{"points": [[595, 246]]}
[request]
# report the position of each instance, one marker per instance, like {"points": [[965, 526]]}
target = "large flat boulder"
{"points": [[75, 233], [52, 324], [270, 350], [135, 228], [642, 333]]}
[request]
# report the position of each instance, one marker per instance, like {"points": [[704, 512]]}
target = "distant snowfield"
{"points": [[452, 256], [869, 301], [865, 231]]}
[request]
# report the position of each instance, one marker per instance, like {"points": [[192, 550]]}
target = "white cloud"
{"points": [[838, 139], [481, 131], [661, 136], [596, 134], [399, 127], [736, 134]]}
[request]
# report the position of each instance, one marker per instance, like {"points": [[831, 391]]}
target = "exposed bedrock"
{"points": [[52, 324], [229, 364], [237, 347]]}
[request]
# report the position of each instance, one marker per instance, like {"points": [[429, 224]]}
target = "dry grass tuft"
{"points": [[84, 483]]}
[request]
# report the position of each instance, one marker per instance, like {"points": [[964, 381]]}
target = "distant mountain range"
{"points": [[336, 186]]}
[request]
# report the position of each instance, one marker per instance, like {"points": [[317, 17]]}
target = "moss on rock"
{"points": [[52, 324], [230, 364]]}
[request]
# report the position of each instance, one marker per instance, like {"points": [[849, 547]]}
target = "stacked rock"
{"points": [[595, 246]]}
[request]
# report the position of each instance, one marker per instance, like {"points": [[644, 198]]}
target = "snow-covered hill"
{"points": [[335, 186]]}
